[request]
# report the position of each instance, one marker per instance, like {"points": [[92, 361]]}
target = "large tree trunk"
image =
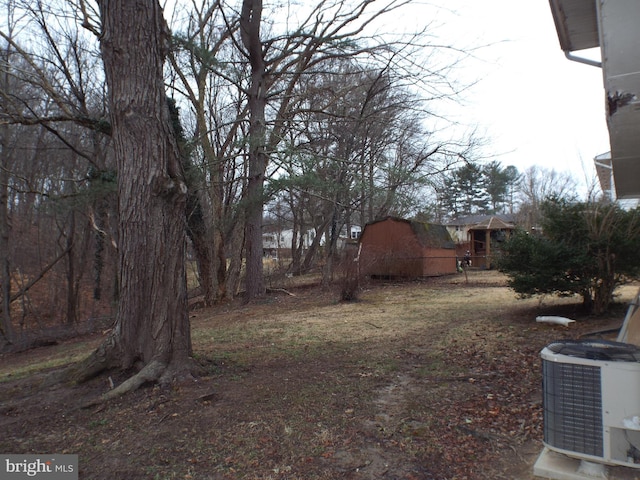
{"points": [[6, 326], [72, 294], [250, 19], [604, 287], [202, 247], [213, 276], [152, 327]]}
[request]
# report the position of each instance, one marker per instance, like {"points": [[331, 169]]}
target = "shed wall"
{"points": [[439, 261], [391, 248]]}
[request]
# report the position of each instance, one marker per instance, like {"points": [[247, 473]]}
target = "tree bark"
{"points": [[6, 326], [250, 19], [152, 325], [72, 294]]}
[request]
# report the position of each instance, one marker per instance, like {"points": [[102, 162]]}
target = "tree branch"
{"points": [[35, 280]]}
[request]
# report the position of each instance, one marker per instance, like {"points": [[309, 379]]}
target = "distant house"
{"points": [[276, 243], [396, 247], [346, 237]]}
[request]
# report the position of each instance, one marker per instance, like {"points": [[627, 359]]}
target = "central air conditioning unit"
{"points": [[591, 401]]}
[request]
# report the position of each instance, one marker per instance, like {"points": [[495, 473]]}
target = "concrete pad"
{"points": [[555, 466]]}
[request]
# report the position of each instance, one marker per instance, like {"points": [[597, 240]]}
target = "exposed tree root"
{"points": [[155, 371], [150, 373], [102, 359], [108, 356]]}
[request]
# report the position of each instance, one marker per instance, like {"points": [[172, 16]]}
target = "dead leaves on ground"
{"points": [[492, 406]]}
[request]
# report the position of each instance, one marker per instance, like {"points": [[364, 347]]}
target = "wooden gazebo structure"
{"points": [[485, 238]]}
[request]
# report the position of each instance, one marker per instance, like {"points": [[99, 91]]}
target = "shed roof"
{"points": [[432, 235]]}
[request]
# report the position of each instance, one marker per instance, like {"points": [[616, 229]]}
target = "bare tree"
{"points": [[6, 328], [358, 151], [250, 27], [50, 94], [216, 105], [248, 58], [538, 184], [327, 31]]}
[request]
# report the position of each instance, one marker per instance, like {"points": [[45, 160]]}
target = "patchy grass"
{"points": [[436, 379], [24, 364]]}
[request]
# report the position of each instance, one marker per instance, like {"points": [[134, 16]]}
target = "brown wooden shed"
{"points": [[395, 247]]}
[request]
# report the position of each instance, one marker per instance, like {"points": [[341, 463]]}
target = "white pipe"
{"points": [[553, 319]]}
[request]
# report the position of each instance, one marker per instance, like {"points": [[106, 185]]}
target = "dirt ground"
{"points": [[437, 379]]}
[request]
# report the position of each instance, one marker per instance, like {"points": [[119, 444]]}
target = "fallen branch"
{"points": [[208, 397], [478, 434], [271, 290], [465, 377], [28, 286]]}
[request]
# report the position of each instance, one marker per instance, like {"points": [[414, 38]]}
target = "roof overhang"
{"points": [[604, 170], [576, 23], [583, 24]]}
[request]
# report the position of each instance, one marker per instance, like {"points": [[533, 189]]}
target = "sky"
{"points": [[532, 104]]}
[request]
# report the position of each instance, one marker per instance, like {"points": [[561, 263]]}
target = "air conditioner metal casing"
{"points": [[592, 407]]}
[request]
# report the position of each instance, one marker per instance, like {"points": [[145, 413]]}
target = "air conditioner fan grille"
{"points": [[572, 404]]}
